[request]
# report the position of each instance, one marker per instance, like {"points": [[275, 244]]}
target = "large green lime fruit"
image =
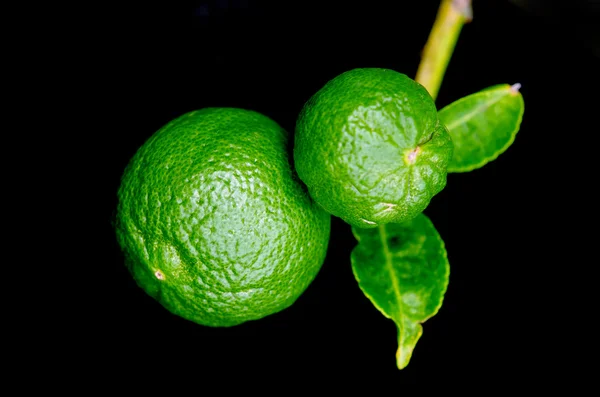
{"points": [[370, 147], [214, 223]]}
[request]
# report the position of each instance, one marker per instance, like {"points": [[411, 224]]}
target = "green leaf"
{"points": [[403, 269], [483, 125]]}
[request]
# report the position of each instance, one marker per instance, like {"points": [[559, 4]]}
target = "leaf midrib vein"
{"points": [[469, 115], [390, 269]]}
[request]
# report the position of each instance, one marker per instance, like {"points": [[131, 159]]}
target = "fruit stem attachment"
{"points": [[451, 17]]}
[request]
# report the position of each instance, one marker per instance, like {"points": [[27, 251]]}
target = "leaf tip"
{"points": [[403, 355], [407, 340], [514, 89]]}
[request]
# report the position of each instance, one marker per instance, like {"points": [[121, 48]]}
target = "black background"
{"points": [[495, 326]]}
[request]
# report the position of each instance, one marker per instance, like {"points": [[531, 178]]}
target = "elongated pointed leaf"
{"points": [[403, 269], [483, 125]]}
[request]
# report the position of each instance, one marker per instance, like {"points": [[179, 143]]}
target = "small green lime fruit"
{"points": [[213, 221], [370, 148]]}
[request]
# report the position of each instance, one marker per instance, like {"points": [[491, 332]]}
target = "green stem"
{"points": [[451, 17]]}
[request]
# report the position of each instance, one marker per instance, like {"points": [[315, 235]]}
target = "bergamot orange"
{"points": [[370, 147], [213, 221]]}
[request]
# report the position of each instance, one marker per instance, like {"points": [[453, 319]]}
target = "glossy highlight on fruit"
{"points": [[213, 221], [370, 148]]}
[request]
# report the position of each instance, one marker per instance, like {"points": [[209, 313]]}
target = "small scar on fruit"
{"points": [[159, 275], [411, 156]]}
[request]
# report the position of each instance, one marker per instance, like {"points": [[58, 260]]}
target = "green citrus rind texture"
{"points": [[370, 148], [213, 222]]}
